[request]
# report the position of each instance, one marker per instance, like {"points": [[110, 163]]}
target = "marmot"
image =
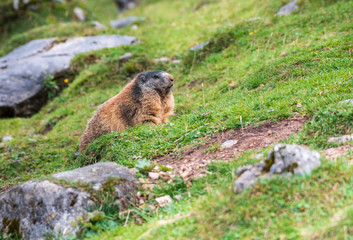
{"points": [[147, 98]]}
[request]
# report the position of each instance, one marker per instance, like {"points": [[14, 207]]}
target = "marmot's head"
{"points": [[160, 81]]}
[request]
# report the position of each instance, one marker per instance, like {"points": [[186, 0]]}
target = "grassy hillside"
{"points": [[252, 71]]}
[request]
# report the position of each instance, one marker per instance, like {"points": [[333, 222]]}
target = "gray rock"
{"points": [[162, 59], [228, 144], [120, 23], [341, 139], [288, 9], [79, 14], [126, 57], [97, 174], [347, 101], [98, 25], [199, 46], [164, 201], [247, 178], [38, 208], [7, 138], [292, 158], [284, 160], [24, 70]]}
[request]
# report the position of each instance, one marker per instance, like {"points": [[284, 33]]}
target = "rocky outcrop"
{"points": [[24, 71], [282, 160], [37, 209]]}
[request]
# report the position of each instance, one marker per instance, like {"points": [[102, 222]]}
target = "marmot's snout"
{"points": [[171, 80]]}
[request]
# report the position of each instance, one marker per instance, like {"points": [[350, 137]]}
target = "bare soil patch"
{"points": [[192, 163], [335, 152]]}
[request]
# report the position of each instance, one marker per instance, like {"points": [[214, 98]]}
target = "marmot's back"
{"points": [[147, 98]]}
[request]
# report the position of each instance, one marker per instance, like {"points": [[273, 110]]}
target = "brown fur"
{"points": [[147, 98]]}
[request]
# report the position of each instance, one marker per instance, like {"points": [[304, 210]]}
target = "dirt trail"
{"points": [[193, 162]]}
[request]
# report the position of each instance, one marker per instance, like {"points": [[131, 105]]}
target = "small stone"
{"points": [[341, 139], [98, 25], [176, 61], [125, 21], [31, 140], [156, 168], [164, 201], [96, 186], [199, 46], [7, 138], [269, 132], [126, 57], [162, 59], [141, 201], [178, 197], [271, 110], [228, 144], [134, 27], [79, 14], [288, 9], [299, 105], [153, 175]]}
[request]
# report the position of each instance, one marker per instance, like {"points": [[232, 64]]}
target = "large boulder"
{"points": [[282, 160], [24, 70], [37, 209]]}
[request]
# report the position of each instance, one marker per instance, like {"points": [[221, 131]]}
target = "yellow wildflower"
{"points": [[66, 80], [251, 33]]}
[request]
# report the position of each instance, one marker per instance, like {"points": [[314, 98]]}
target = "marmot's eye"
{"points": [[155, 76]]}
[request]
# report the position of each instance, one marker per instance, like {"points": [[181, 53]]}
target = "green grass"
{"points": [[241, 78]]}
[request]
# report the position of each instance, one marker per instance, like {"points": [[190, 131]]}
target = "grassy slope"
{"points": [[241, 71]]}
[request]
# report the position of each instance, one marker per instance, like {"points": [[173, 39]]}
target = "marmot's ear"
{"points": [[142, 78]]}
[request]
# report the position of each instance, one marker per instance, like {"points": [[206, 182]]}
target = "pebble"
{"points": [[153, 175], [164, 201], [228, 144], [7, 138]]}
